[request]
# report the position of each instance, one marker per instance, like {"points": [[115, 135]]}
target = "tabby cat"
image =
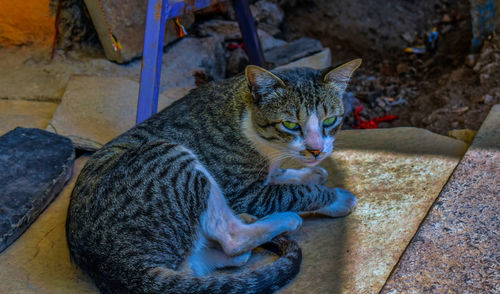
{"points": [[154, 211]]}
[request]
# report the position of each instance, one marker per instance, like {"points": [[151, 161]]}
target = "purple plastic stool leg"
{"points": [[157, 14], [156, 18], [248, 31]]}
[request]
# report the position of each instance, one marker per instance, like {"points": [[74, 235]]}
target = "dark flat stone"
{"points": [[292, 51], [34, 165], [457, 248]]}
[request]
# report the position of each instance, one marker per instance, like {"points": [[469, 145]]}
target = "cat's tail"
{"points": [[265, 279]]}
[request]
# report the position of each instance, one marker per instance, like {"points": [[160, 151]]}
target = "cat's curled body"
{"points": [[163, 196]]}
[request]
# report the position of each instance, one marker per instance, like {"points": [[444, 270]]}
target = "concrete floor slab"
{"points": [[396, 174], [94, 109], [457, 248], [27, 114], [28, 83]]}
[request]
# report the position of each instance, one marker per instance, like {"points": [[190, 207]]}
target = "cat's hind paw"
{"points": [[287, 221], [342, 206]]}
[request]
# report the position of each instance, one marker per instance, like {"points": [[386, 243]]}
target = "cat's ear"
{"points": [[339, 76], [262, 82]]}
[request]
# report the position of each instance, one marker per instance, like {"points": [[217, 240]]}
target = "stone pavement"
{"points": [[457, 248], [396, 174], [28, 114], [94, 110]]}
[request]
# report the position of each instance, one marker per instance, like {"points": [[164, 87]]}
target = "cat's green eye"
{"points": [[291, 125], [329, 121]]}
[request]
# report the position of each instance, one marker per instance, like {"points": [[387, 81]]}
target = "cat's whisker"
{"points": [[280, 156]]}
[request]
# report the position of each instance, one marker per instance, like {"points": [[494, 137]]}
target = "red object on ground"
{"points": [[232, 46], [372, 123]]}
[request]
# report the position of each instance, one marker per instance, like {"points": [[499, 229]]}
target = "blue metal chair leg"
{"points": [[248, 32], [157, 14], [156, 19]]}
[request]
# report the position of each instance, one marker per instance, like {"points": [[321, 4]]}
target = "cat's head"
{"points": [[297, 112]]}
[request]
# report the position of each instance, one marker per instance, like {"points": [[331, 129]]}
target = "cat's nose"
{"points": [[314, 152]]}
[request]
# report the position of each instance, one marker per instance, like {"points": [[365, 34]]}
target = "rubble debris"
{"points": [[267, 12]]}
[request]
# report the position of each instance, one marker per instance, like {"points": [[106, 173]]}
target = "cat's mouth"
{"points": [[311, 162], [308, 160]]}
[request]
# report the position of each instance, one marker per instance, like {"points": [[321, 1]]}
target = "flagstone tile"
{"points": [[395, 173], [456, 250], [27, 114], [94, 109]]}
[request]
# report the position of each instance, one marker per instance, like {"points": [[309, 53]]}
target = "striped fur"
{"points": [[140, 202]]}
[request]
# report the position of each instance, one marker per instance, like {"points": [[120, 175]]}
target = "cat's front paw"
{"points": [[314, 175], [294, 221], [342, 206], [303, 176]]}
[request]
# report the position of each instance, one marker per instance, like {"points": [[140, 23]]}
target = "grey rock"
{"points": [[292, 51], [35, 164], [93, 110], [320, 60], [270, 29], [268, 42], [268, 12], [227, 30], [237, 61], [470, 60], [488, 99], [190, 55]]}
